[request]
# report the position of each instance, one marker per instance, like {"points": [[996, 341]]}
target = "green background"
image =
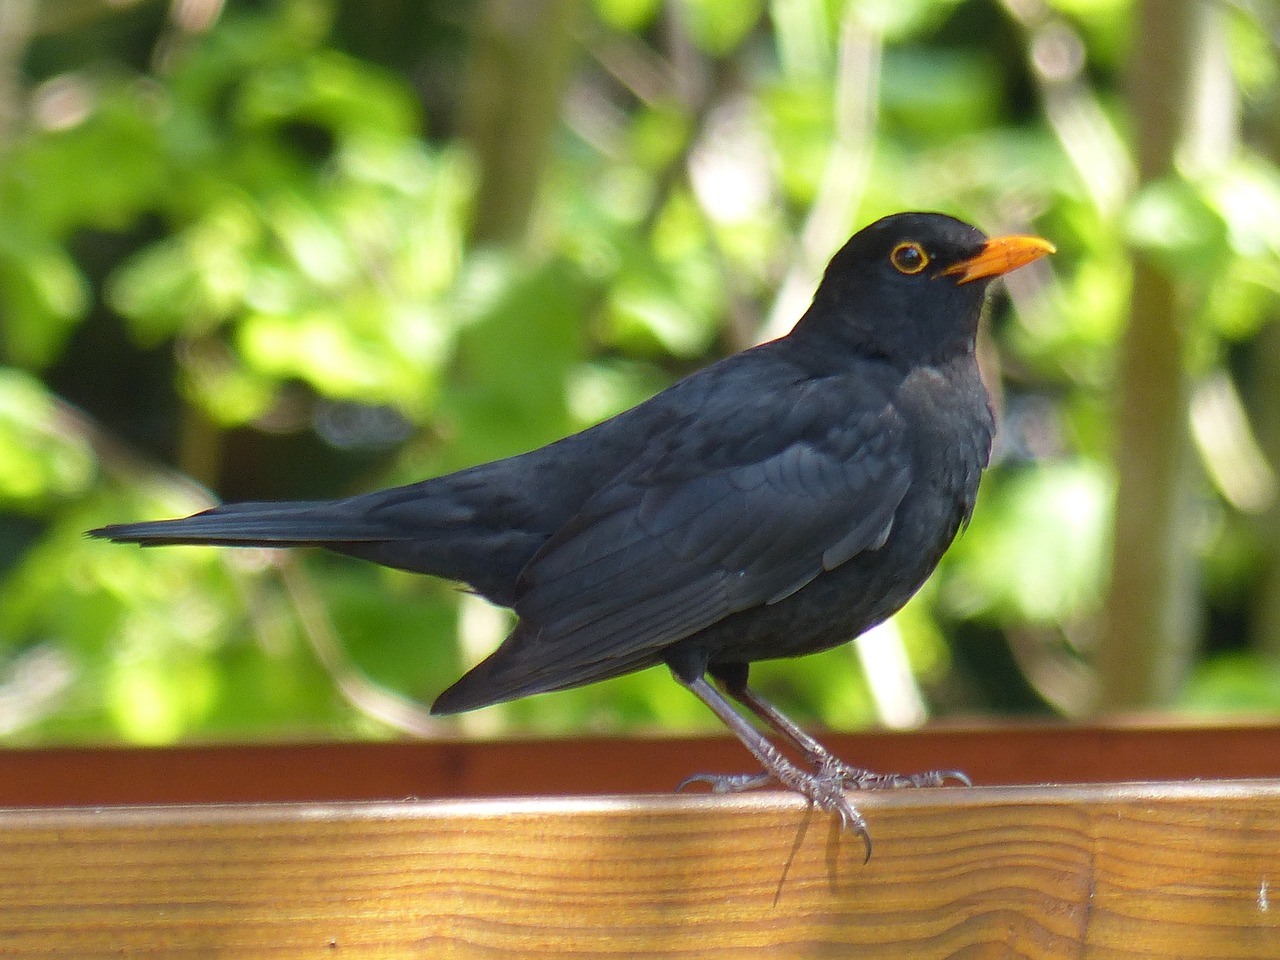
{"points": [[306, 248]]}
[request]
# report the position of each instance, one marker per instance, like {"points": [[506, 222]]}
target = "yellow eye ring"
{"points": [[909, 258]]}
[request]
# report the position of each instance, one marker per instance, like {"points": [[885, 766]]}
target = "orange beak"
{"points": [[998, 256]]}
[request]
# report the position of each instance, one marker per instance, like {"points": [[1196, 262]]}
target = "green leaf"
{"points": [[1239, 682], [43, 458], [898, 20], [939, 94], [627, 15], [43, 296], [515, 359], [719, 26], [1035, 549], [1171, 221]]}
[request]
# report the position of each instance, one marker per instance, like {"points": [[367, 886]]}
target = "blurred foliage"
{"points": [[235, 262]]}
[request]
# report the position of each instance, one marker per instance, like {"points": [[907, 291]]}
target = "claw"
{"points": [[851, 819], [726, 782], [824, 789]]}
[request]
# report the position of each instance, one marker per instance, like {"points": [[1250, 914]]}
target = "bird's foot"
{"points": [[826, 786], [727, 782], [825, 789], [857, 778]]}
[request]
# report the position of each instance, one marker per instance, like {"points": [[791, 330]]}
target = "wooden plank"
{"points": [[991, 755], [1116, 872]]}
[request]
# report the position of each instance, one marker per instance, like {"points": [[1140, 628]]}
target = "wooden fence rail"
{"points": [[1134, 871], [1182, 870]]}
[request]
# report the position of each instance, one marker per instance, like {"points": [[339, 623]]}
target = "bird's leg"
{"points": [[822, 788], [734, 683]]}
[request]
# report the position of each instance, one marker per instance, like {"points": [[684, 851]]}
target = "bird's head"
{"points": [[910, 286]]}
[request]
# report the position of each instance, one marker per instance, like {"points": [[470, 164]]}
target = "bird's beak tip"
{"points": [[999, 256]]}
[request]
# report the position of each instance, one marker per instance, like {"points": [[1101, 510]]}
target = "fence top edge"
{"points": [[658, 804]]}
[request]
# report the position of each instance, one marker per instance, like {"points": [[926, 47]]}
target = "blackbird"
{"points": [[776, 503]]}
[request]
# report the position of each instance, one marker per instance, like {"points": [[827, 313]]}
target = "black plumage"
{"points": [[776, 503]]}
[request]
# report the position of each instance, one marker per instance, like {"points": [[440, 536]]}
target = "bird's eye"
{"points": [[909, 258]]}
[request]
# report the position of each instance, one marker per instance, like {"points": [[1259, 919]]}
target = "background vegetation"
{"points": [[301, 248]]}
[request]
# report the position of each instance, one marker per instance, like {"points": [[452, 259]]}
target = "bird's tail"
{"points": [[285, 524], [453, 527]]}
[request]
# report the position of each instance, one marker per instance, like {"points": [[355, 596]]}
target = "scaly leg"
{"points": [[818, 755], [824, 788]]}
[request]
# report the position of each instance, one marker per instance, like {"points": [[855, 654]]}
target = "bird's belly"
{"points": [[842, 603]]}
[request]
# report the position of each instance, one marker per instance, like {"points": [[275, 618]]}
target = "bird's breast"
{"points": [[948, 413]]}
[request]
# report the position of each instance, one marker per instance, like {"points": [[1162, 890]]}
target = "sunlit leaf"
{"points": [[630, 15], [1035, 547], [718, 26], [899, 19], [42, 456], [1171, 221], [42, 295], [1232, 683]]}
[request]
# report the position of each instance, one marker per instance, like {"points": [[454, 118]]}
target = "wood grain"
{"points": [[1116, 872]]}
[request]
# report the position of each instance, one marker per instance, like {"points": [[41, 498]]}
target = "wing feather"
{"points": [[668, 550]]}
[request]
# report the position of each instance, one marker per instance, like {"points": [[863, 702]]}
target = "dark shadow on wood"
{"points": [[370, 771]]}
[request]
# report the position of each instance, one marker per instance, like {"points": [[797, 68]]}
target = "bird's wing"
{"points": [[724, 518]]}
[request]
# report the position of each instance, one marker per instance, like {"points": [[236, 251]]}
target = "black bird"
{"points": [[776, 503]]}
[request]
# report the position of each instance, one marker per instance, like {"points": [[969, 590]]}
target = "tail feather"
{"points": [[456, 527], [294, 523]]}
